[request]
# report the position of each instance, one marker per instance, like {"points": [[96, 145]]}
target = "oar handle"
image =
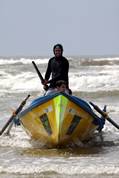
{"points": [[104, 114], [14, 114], [40, 76], [38, 72], [21, 105]]}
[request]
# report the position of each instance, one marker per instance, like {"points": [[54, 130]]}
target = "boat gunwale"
{"points": [[84, 105]]}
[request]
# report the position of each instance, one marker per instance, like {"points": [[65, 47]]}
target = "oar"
{"points": [[105, 115], [14, 114], [14, 122], [39, 74], [9, 128]]}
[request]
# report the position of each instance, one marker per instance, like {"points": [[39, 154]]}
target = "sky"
{"points": [[83, 27]]}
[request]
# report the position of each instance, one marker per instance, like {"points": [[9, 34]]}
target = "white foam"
{"points": [[87, 78], [17, 138], [72, 166], [23, 61], [106, 58]]}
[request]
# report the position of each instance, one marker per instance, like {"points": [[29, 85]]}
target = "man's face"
{"points": [[62, 88], [57, 52]]}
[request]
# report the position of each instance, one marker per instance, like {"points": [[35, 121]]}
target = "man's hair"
{"points": [[60, 82]]}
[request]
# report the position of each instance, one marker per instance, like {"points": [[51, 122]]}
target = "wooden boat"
{"points": [[60, 120]]}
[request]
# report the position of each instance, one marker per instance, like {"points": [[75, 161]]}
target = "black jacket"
{"points": [[59, 69]]}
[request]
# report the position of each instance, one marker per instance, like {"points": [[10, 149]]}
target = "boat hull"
{"points": [[59, 120]]}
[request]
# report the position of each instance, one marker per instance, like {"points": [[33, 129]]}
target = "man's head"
{"points": [[58, 50], [61, 85]]}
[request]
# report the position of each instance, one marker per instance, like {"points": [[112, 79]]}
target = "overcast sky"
{"points": [[84, 27]]}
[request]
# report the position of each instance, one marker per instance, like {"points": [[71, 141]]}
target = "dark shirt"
{"points": [[59, 68]]}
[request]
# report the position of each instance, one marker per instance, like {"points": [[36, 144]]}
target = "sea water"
{"points": [[93, 79]]}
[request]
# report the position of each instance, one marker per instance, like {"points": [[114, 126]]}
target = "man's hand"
{"points": [[45, 82], [45, 87]]}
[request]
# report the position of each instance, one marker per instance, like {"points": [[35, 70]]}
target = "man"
{"points": [[58, 67], [61, 86]]}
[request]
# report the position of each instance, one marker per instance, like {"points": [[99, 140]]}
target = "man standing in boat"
{"points": [[58, 67]]}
